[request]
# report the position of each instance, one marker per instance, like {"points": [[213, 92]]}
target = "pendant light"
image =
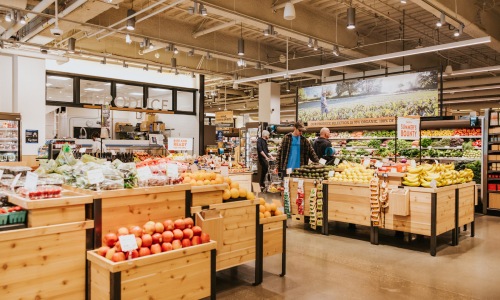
{"points": [[8, 17], [241, 43], [130, 21], [351, 18], [310, 43], [336, 50], [289, 13], [173, 63], [288, 86], [442, 20], [315, 45], [448, 70], [71, 45], [23, 20]]}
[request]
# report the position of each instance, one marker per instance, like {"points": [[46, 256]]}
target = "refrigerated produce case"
{"points": [[251, 158], [10, 134]]}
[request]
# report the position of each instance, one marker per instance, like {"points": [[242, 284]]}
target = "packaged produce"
{"points": [[41, 192]]}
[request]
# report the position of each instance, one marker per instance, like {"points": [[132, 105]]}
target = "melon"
{"points": [[243, 192], [261, 215], [273, 207], [267, 214], [250, 196], [262, 209], [262, 201], [235, 185], [226, 195], [268, 206], [235, 193]]}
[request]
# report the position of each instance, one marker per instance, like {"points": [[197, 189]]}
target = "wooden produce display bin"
{"points": [[236, 230], [274, 238], [187, 273], [208, 194], [349, 202], [243, 178], [294, 184], [126, 207]]}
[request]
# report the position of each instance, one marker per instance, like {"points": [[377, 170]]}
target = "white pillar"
{"points": [[269, 102], [6, 63]]}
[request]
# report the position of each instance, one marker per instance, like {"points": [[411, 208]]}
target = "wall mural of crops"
{"points": [[399, 95]]}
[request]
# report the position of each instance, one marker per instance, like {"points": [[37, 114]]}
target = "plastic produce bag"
{"points": [[66, 157]]}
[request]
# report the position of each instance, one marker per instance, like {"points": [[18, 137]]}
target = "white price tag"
{"points": [[433, 184], [256, 187], [336, 161], [113, 152], [194, 168], [31, 181], [128, 242], [379, 164], [322, 161], [144, 173], [435, 161], [413, 163], [82, 150], [366, 162], [95, 176], [331, 173], [289, 171], [15, 180], [172, 170], [1, 174], [224, 171], [295, 180]]}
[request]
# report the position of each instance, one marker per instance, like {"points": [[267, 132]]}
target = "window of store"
{"points": [[165, 96], [186, 102], [129, 95], [59, 88], [95, 92]]}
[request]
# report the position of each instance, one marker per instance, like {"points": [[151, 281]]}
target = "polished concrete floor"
{"points": [[344, 265]]}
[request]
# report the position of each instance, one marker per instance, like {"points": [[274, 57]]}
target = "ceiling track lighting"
{"points": [[270, 31], [125, 65], [146, 68], [459, 31], [176, 51], [203, 10], [160, 70], [103, 61], [23, 20], [287, 86], [241, 42], [310, 43], [336, 50], [145, 43], [289, 12], [170, 47], [442, 20], [209, 56], [8, 17], [131, 20], [315, 45], [128, 40], [351, 18], [71, 45], [241, 63], [190, 52], [173, 63]]}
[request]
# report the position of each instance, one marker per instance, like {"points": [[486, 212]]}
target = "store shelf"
{"points": [[493, 161], [494, 143], [493, 172], [453, 158], [452, 137], [494, 192], [493, 151]]}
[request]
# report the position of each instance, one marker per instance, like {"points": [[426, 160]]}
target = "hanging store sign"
{"points": [[180, 144], [224, 117], [409, 128], [353, 122]]}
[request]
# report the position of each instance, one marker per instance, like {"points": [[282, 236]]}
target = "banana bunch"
{"points": [[442, 174]]}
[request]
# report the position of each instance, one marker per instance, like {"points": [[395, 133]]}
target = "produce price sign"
{"points": [[353, 122], [180, 144], [409, 128], [222, 117]]}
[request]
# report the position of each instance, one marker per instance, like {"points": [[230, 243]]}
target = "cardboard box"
{"points": [[145, 125], [151, 118], [158, 126], [495, 147]]}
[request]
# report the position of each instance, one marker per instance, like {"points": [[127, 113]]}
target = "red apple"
{"points": [[118, 246], [144, 251], [118, 256], [122, 231], [167, 236], [136, 230], [157, 239], [155, 249], [188, 233], [134, 253], [176, 244], [166, 247], [159, 227], [139, 242], [189, 222], [110, 239], [147, 240], [205, 238], [178, 234], [110, 253], [168, 225], [179, 224], [103, 250], [186, 243], [196, 240], [149, 227], [196, 230]]}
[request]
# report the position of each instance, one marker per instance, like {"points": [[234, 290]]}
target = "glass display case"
{"points": [[251, 159], [10, 133]]}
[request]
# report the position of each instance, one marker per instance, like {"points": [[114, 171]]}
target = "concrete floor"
{"points": [[344, 265]]}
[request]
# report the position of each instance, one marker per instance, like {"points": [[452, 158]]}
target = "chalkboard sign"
{"points": [[31, 136]]}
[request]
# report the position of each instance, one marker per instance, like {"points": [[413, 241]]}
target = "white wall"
{"points": [[6, 83], [29, 98], [184, 125]]}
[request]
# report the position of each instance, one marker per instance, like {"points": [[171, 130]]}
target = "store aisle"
{"points": [[345, 265]]}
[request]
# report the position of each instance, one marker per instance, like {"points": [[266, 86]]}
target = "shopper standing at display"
{"points": [[264, 157], [295, 150], [322, 142]]}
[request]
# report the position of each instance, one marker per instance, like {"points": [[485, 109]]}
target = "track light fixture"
{"points": [[287, 86], [128, 40], [130, 21], [336, 50], [146, 68], [241, 63], [71, 45], [23, 20], [442, 20], [170, 47], [203, 10], [241, 42], [269, 30], [145, 43], [351, 18], [315, 45], [103, 61], [151, 46], [125, 65], [173, 63], [209, 56], [8, 17], [190, 52], [310, 43], [459, 31], [176, 51], [160, 70]]}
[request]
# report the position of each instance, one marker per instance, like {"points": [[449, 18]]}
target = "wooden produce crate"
{"points": [[243, 178], [128, 207], [308, 185], [274, 238], [187, 273], [208, 194], [45, 262], [349, 202], [467, 199], [70, 207], [236, 233]]}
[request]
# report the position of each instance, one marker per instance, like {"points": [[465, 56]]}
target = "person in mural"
{"points": [[324, 104]]}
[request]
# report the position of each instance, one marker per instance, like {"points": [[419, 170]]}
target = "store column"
{"points": [[269, 102]]}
